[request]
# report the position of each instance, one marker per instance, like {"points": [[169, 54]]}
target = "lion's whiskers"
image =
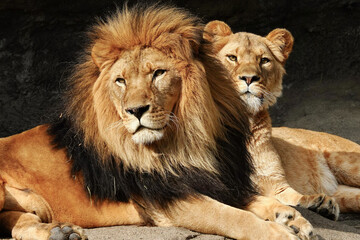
{"points": [[172, 119]]}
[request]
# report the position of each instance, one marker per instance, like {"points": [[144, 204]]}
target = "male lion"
{"points": [[296, 166], [152, 133]]}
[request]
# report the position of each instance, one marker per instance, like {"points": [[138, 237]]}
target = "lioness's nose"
{"points": [[249, 79], [138, 111]]}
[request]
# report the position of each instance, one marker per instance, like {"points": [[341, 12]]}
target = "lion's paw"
{"points": [[293, 219], [67, 232], [281, 232], [324, 205], [303, 228]]}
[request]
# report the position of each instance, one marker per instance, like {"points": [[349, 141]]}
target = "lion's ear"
{"points": [[283, 39], [102, 52], [214, 29]]}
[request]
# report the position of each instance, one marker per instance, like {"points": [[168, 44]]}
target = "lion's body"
{"points": [[29, 162], [152, 133], [295, 166]]}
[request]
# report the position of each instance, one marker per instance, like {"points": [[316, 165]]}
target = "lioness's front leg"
{"points": [[210, 216], [282, 191], [320, 203]]}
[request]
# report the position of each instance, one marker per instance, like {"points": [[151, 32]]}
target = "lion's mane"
{"points": [[205, 153]]}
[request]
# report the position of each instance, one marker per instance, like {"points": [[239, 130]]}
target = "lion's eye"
{"points": [[158, 73], [120, 81], [232, 58], [264, 60]]}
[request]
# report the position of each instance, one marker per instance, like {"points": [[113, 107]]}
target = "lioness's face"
{"points": [[255, 62], [145, 86], [254, 69]]}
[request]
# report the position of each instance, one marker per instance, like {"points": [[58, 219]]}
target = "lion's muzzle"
{"points": [[138, 111], [145, 125]]}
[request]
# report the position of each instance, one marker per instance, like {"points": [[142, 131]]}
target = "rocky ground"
{"points": [[347, 228]]}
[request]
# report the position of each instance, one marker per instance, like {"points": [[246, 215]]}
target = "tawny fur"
{"points": [[296, 166], [116, 77]]}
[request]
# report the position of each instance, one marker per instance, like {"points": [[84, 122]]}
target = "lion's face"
{"points": [[255, 62], [144, 87]]}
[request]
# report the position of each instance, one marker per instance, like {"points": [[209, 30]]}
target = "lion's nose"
{"points": [[138, 111], [249, 79]]}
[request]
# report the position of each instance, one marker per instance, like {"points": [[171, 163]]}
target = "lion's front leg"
{"points": [[25, 200], [27, 216], [212, 217], [28, 226], [270, 209]]}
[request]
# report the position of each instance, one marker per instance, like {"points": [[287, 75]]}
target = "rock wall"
{"points": [[39, 41]]}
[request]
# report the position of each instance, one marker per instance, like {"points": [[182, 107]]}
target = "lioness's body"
{"points": [[318, 162], [296, 166]]}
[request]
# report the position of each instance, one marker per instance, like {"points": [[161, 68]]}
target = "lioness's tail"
{"points": [[348, 198], [345, 161], [345, 165]]}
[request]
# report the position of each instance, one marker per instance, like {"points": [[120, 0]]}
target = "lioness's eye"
{"points": [[232, 58], [120, 81], [158, 73], [264, 60]]}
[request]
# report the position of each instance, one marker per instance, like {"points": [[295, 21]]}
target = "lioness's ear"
{"points": [[283, 39], [102, 52], [216, 28]]}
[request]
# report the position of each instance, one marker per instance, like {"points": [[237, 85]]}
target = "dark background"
{"points": [[39, 41]]}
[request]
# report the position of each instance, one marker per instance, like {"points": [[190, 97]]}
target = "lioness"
{"points": [[298, 167]]}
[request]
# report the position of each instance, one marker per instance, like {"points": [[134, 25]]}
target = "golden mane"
{"points": [[207, 102], [203, 152]]}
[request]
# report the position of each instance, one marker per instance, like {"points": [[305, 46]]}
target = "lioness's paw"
{"points": [[67, 232], [324, 205], [290, 217]]}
